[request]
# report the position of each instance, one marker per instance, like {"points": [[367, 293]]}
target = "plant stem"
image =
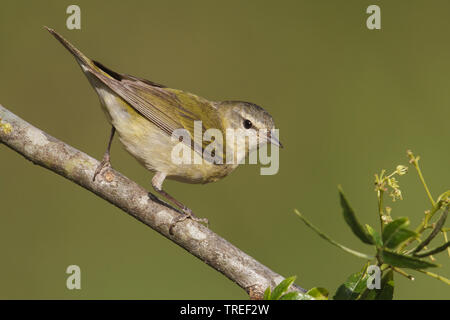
{"points": [[427, 218], [415, 161], [380, 208], [436, 276], [403, 273], [423, 225], [324, 236]]}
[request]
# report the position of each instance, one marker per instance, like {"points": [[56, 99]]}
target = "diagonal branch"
{"points": [[53, 154]]}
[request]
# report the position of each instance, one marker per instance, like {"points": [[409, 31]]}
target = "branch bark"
{"points": [[57, 156]]}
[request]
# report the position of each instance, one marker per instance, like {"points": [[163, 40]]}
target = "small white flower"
{"points": [[401, 170]]}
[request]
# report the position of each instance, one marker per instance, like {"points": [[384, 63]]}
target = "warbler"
{"points": [[146, 114]]}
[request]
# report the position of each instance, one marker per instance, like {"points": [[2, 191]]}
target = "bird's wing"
{"points": [[169, 109]]}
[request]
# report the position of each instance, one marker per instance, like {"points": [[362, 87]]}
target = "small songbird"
{"points": [[146, 114]]}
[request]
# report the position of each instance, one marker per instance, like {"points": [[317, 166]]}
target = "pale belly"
{"points": [[152, 147]]}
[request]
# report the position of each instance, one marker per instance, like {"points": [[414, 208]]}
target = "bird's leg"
{"points": [[106, 163], [157, 183]]}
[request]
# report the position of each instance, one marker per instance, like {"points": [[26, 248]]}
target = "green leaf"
{"points": [[400, 236], [352, 221], [281, 288], [395, 233], [393, 226], [433, 251], [353, 287], [267, 294], [443, 196], [387, 287], [293, 296], [375, 236], [402, 261], [437, 228], [324, 236], [318, 293]]}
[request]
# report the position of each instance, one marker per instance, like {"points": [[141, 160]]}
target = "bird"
{"points": [[145, 115]]}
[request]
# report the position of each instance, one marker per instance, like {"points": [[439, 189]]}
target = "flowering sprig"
{"points": [[396, 247], [382, 184]]}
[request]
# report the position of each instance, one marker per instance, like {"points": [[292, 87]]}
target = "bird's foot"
{"points": [[187, 213], [106, 163]]}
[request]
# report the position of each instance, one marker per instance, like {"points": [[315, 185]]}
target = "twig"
{"points": [[403, 273], [436, 276], [415, 161], [53, 154]]}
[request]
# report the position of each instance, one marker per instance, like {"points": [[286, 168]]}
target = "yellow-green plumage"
{"points": [[152, 147], [145, 114]]}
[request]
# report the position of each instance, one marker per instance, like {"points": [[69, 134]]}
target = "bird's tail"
{"points": [[81, 58]]}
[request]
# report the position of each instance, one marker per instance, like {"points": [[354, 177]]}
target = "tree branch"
{"points": [[53, 154]]}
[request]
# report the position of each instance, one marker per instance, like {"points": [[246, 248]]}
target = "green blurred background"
{"points": [[348, 102]]}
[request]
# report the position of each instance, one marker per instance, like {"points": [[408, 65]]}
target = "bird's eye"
{"points": [[247, 124]]}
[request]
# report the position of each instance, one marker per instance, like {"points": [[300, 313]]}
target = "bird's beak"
{"points": [[273, 140]]}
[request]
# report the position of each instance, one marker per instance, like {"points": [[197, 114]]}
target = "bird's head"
{"points": [[250, 122]]}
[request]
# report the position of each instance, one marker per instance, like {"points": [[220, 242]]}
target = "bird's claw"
{"points": [[104, 164], [187, 213]]}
